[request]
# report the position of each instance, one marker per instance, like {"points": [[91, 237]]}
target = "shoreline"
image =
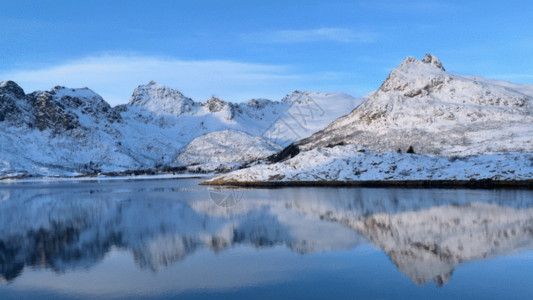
{"points": [[92, 178], [471, 184]]}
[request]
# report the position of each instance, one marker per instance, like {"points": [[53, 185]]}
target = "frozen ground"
{"points": [[354, 163]]}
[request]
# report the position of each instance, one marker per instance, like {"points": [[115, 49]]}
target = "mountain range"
{"points": [[423, 123], [70, 132]]}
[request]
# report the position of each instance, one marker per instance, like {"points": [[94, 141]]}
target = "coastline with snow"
{"points": [[352, 165]]}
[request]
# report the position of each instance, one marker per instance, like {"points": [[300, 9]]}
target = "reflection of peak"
{"points": [[428, 245], [426, 233]]}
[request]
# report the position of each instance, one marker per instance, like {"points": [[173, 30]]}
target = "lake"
{"points": [[176, 239]]}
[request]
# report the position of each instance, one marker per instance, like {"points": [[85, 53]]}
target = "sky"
{"points": [[239, 50]]}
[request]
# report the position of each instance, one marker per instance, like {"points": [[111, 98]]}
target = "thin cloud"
{"points": [[115, 76], [326, 34]]}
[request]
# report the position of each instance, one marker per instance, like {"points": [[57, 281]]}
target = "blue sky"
{"points": [[239, 50]]}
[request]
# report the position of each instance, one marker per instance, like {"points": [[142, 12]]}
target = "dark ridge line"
{"points": [[445, 184]]}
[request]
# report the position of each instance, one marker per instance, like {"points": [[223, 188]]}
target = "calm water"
{"points": [[173, 238]]}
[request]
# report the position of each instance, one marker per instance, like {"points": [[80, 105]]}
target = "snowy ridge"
{"points": [[74, 131]]}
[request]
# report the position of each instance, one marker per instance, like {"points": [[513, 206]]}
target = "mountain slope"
{"points": [[223, 150]]}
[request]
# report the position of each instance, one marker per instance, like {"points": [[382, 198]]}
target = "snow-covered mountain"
{"points": [[437, 113], [460, 128], [59, 131], [74, 131]]}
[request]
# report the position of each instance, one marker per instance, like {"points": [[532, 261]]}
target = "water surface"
{"points": [[173, 238]]}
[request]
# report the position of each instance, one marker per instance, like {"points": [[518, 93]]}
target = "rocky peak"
{"points": [[10, 93], [414, 76], [258, 103], [433, 60], [413, 64], [11, 87], [215, 105], [161, 99]]}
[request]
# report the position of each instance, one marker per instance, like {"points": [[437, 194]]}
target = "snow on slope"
{"points": [[353, 163], [438, 113], [227, 149], [309, 112], [73, 131]]}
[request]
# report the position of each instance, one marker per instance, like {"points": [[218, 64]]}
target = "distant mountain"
{"points": [[74, 131], [225, 150]]}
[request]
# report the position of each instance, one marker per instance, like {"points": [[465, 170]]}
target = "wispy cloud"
{"points": [[115, 77], [325, 34]]}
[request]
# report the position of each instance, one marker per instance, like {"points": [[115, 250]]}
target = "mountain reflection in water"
{"points": [[426, 233]]}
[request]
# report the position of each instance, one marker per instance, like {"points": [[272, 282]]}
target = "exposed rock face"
{"points": [[57, 110], [51, 114], [11, 87], [430, 59], [258, 103], [10, 92], [216, 105]]}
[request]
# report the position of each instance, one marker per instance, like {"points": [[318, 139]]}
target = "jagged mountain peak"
{"points": [[216, 105], [161, 99], [428, 60], [433, 60], [215, 99], [413, 76], [12, 87]]}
